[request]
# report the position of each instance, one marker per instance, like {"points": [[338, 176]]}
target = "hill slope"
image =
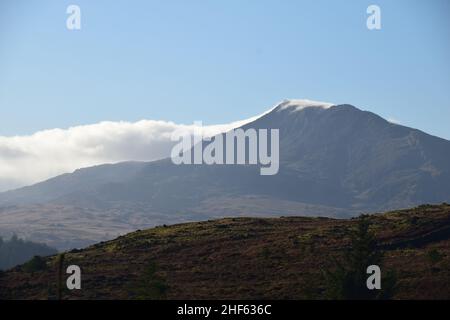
{"points": [[248, 258]]}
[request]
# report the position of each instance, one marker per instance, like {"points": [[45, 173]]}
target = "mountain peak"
{"points": [[299, 104]]}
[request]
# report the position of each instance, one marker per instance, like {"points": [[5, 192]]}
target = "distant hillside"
{"points": [[335, 161], [17, 251], [249, 258]]}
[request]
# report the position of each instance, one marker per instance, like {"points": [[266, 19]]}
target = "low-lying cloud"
{"points": [[25, 160]]}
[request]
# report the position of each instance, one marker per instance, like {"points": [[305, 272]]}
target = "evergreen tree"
{"points": [[348, 280], [17, 251]]}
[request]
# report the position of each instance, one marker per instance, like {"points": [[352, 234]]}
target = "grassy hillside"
{"points": [[276, 258]]}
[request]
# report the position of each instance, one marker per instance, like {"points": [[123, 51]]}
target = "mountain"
{"points": [[248, 258], [335, 160]]}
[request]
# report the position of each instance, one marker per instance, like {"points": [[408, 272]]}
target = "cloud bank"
{"points": [[25, 160]]}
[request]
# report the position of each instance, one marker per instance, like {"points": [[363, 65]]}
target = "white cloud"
{"points": [[299, 104], [25, 160], [394, 121]]}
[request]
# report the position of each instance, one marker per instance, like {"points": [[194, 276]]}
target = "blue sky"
{"points": [[219, 61]]}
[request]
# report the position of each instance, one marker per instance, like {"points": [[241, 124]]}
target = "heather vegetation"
{"points": [[258, 258]]}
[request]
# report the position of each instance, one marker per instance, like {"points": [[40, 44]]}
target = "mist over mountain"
{"points": [[335, 161]]}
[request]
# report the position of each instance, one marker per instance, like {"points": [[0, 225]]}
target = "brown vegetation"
{"points": [[248, 258]]}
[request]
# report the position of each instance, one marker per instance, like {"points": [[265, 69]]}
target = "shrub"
{"points": [[151, 286], [36, 264], [434, 256]]}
